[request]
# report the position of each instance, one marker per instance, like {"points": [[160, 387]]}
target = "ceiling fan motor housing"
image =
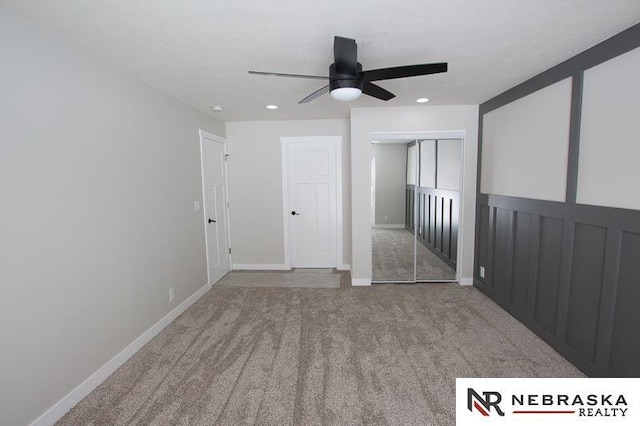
{"points": [[338, 80]]}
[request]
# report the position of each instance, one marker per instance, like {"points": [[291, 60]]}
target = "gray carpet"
{"points": [[393, 258], [306, 278], [383, 355]]}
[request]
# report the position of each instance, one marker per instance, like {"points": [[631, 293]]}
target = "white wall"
{"points": [[365, 121], [449, 157], [255, 187], [98, 175], [608, 172], [412, 164], [525, 145], [428, 164], [391, 175]]}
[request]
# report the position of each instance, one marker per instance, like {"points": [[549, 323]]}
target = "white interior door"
{"points": [[216, 216], [312, 207]]}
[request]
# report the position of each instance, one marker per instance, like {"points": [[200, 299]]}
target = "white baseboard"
{"points": [[360, 282], [261, 267], [390, 226], [466, 281], [61, 407], [276, 267]]}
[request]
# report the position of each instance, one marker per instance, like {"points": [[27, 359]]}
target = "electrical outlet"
{"points": [[386, 219], [172, 294], [482, 272]]}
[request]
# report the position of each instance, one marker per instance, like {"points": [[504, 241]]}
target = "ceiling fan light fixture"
{"points": [[344, 88], [347, 79], [345, 94]]}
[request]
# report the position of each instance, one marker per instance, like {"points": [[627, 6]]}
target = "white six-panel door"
{"points": [[311, 174], [215, 206]]}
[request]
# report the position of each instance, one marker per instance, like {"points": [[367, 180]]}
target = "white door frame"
{"points": [[285, 142], [435, 134], [204, 134]]}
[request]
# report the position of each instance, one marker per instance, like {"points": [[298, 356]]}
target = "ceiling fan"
{"points": [[347, 81]]}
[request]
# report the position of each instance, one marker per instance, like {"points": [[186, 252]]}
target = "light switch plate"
{"points": [[196, 206]]}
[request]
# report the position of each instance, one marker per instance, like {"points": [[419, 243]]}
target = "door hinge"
{"points": [[226, 156], [229, 250]]}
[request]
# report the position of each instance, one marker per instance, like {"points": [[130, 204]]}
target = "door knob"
{"points": [[212, 221], [294, 213]]}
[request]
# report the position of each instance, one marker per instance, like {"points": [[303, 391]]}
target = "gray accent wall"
{"points": [[437, 220], [567, 269], [433, 206]]}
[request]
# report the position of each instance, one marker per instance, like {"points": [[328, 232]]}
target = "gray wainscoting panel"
{"points": [[431, 219], [521, 261], [445, 242], [437, 220], [409, 222], [576, 283], [483, 245], [586, 288], [502, 257], [625, 346], [453, 226], [548, 272]]}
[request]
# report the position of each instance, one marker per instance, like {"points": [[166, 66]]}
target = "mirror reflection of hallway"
{"points": [[415, 208]]}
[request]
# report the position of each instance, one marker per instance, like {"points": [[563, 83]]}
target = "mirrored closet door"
{"points": [[415, 208], [393, 243]]}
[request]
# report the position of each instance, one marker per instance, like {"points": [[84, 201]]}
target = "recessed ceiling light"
{"points": [[422, 100], [272, 106], [217, 108]]}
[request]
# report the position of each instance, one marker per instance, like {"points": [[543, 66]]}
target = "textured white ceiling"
{"points": [[200, 50]]}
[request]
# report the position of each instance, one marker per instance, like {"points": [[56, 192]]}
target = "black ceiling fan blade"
{"points": [[279, 74], [405, 71], [376, 91], [315, 94], [345, 55]]}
